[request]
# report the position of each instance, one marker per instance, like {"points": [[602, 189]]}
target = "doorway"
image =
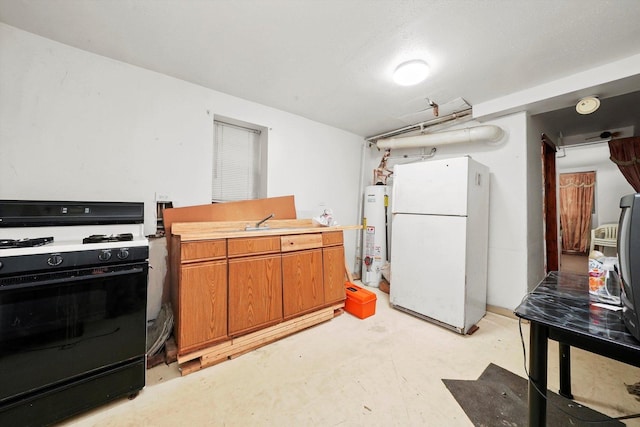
{"points": [[571, 254], [576, 197]]}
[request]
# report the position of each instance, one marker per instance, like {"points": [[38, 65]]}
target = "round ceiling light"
{"points": [[411, 72], [588, 105]]}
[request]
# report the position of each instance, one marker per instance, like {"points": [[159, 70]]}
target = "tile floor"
{"points": [[385, 370]]}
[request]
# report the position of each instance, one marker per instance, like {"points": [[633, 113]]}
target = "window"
{"points": [[239, 161]]}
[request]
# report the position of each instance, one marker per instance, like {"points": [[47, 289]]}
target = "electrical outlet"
{"points": [[162, 197]]}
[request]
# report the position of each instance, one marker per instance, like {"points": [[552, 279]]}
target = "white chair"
{"points": [[604, 235]]}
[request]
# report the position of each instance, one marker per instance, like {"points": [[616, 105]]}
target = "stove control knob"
{"points": [[104, 255], [54, 260], [123, 254]]}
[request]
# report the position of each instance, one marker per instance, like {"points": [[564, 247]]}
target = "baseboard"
{"points": [[501, 311]]}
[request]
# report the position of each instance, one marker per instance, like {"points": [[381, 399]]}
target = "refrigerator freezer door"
{"points": [[437, 187], [428, 266]]}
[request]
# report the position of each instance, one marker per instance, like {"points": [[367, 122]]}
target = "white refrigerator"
{"points": [[439, 241]]}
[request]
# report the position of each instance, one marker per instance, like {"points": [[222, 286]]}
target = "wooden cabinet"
{"points": [[199, 293], [333, 274], [302, 284], [202, 251], [333, 264], [298, 242], [255, 283], [333, 238], [253, 246], [239, 291], [203, 304]]}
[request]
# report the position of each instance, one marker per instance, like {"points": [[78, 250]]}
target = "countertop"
{"points": [[193, 231], [562, 301]]}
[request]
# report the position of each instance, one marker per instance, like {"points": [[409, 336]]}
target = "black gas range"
{"points": [[73, 302]]}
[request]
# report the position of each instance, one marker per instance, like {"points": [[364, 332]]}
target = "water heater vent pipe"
{"points": [[484, 133]]}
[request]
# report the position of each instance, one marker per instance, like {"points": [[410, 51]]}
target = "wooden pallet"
{"points": [[167, 355], [238, 346]]}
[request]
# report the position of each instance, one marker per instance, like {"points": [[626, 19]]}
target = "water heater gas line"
{"points": [[484, 133]]}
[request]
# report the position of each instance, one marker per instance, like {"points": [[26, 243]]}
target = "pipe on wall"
{"points": [[484, 133], [357, 266]]}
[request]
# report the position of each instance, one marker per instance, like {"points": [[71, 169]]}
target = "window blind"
{"points": [[236, 163]]}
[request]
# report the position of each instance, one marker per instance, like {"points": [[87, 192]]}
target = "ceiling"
{"points": [[331, 60]]}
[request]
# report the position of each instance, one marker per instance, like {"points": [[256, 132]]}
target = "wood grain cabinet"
{"points": [[302, 282], [239, 291], [203, 304], [333, 274], [199, 294], [255, 283]]}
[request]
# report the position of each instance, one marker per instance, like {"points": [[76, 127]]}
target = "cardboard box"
{"points": [[360, 302]]}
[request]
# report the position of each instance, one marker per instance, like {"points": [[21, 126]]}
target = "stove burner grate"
{"points": [[24, 243], [100, 238]]}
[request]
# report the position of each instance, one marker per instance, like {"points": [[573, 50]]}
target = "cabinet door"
{"points": [[255, 292], [203, 303], [302, 281], [333, 267]]}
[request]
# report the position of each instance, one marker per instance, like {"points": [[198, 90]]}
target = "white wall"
{"points": [[74, 125], [536, 254], [78, 126], [508, 273]]}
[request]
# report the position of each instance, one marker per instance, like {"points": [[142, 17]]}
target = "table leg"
{"points": [[565, 370], [538, 375]]}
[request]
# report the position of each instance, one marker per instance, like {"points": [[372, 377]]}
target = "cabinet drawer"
{"points": [[203, 250], [253, 246], [297, 242], [333, 238]]}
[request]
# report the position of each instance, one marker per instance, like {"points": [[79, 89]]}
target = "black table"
{"points": [[559, 309]]}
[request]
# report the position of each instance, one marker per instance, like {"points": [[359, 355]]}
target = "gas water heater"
{"points": [[374, 239]]}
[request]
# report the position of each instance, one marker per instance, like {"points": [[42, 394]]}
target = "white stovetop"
{"points": [[69, 238], [72, 245]]}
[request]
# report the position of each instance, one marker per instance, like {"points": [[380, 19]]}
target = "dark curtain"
{"points": [[550, 203], [576, 204], [625, 152]]}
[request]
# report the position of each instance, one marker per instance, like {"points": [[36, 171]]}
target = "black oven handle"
{"points": [[74, 279]]}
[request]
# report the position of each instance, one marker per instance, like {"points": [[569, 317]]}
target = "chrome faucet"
{"points": [[264, 220], [259, 223]]}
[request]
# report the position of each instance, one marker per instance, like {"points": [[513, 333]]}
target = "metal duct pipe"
{"points": [[485, 133], [423, 125]]}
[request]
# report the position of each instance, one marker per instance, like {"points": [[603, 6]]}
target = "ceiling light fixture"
{"points": [[411, 72], [588, 105]]}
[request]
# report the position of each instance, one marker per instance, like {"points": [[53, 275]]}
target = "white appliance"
{"points": [[440, 218], [374, 248]]}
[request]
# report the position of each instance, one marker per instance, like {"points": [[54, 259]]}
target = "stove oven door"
{"points": [[61, 328]]}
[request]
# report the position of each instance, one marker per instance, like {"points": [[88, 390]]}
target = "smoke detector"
{"points": [[588, 104]]}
